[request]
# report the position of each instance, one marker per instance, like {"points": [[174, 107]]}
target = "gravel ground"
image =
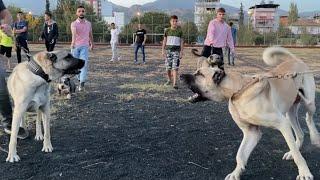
{"points": [[128, 125]]}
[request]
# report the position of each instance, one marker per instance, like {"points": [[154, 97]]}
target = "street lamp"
{"points": [[138, 14]]}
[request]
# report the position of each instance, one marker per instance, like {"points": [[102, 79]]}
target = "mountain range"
{"points": [[182, 8]]}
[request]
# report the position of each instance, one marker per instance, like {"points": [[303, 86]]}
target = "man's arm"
{"points": [[181, 47], [164, 42], [230, 40], [73, 37], [145, 38], [91, 38], [210, 32]]}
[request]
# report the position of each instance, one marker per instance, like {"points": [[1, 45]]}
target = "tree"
{"points": [[190, 32], [293, 13], [47, 6], [241, 16]]}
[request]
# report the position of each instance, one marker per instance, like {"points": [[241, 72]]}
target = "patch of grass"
{"points": [[147, 87], [125, 97]]}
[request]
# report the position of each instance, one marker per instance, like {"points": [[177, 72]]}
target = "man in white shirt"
{"points": [[114, 42]]}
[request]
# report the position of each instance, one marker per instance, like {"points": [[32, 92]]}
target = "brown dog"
{"points": [[264, 101]]}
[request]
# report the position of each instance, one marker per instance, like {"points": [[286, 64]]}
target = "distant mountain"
{"points": [[309, 14]]}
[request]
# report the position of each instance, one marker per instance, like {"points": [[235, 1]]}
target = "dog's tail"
{"points": [[195, 52], [271, 55]]}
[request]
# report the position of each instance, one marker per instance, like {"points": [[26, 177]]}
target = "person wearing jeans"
{"points": [[140, 41], [20, 29], [82, 41]]}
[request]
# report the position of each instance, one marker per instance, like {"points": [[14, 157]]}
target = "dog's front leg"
{"points": [[16, 120], [39, 135], [47, 146], [251, 137]]}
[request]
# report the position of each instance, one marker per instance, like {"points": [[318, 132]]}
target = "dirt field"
{"points": [[128, 125]]}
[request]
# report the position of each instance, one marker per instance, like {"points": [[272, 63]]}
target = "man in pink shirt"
{"points": [[82, 41], [218, 36]]}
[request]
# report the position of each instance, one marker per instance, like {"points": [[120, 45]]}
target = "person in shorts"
{"points": [[172, 50]]}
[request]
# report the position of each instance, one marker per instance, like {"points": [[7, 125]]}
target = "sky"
{"points": [[303, 5]]}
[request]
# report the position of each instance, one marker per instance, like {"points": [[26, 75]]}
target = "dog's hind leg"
{"points": [[292, 115], [47, 146], [251, 137], [39, 135], [286, 131]]}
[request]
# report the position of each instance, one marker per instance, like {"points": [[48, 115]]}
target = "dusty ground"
{"points": [[127, 125]]}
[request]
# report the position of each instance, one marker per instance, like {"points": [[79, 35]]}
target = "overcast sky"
{"points": [[303, 5]]}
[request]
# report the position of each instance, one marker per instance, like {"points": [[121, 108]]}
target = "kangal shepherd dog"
{"points": [[263, 100], [30, 90]]}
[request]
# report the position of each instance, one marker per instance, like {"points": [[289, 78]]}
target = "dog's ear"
{"points": [[218, 76], [52, 57]]}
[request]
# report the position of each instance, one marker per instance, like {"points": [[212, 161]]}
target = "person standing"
{"points": [[173, 44], [234, 37], [82, 41], [140, 41], [50, 32], [20, 30], [6, 42], [5, 104], [218, 36], [114, 42]]}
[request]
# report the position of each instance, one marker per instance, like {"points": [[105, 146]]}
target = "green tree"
{"points": [[246, 35], [47, 6], [14, 11], [190, 32], [307, 39], [241, 16], [293, 13], [206, 18]]}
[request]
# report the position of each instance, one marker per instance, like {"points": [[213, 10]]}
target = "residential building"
{"points": [[264, 18], [203, 7]]}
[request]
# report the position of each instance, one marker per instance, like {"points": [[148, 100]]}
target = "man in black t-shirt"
{"points": [[5, 104], [140, 40]]}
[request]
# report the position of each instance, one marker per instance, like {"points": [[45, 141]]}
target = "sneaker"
{"points": [[22, 134], [81, 87], [119, 58], [167, 83], [144, 62], [111, 60], [135, 62], [175, 86]]}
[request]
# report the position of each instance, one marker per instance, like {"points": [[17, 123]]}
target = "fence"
{"points": [[155, 28]]}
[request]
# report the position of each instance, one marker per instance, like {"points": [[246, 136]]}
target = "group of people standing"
{"points": [[219, 35]]}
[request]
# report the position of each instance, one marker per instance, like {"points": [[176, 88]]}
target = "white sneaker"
{"points": [[119, 58], [111, 60]]}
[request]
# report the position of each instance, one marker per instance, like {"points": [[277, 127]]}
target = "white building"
{"points": [[203, 7], [309, 26]]}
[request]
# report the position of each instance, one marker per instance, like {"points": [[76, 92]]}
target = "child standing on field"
{"points": [[172, 50]]}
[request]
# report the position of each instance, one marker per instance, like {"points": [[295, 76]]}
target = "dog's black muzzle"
{"points": [[75, 67]]}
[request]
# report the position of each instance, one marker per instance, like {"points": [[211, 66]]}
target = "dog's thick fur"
{"points": [[269, 102], [30, 92]]}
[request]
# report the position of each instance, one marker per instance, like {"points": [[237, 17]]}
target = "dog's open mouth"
{"points": [[188, 80], [72, 71]]}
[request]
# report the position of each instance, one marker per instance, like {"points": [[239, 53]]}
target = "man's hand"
{"points": [[52, 41], [143, 43], [164, 54], [6, 29], [181, 54], [91, 46], [72, 46]]}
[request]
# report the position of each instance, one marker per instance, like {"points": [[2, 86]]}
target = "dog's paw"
{"points": [[47, 147], [315, 140], [304, 176], [232, 176], [13, 158], [38, 137], [287, 156]]}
